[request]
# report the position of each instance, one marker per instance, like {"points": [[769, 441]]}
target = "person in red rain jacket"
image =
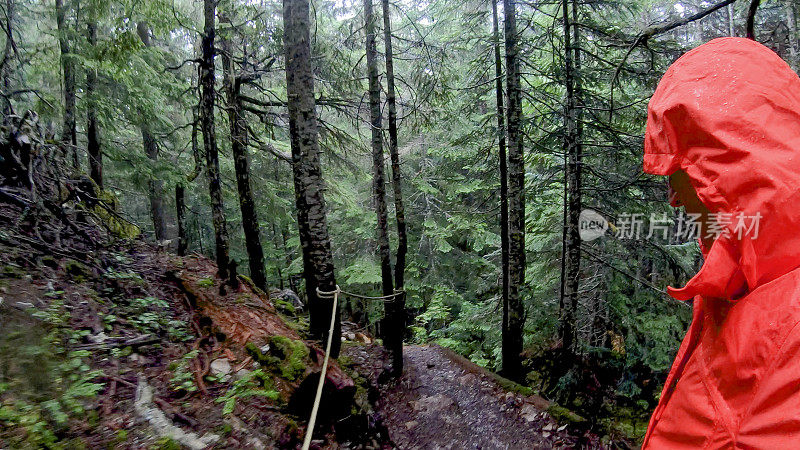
{"points": [[724, 124]]}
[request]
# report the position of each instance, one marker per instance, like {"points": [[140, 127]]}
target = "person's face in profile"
{"points": [[682, 193]]}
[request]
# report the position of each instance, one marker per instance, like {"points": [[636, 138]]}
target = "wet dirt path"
{"points": [[443, 403]]}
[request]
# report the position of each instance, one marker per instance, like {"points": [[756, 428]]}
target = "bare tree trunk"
{"points": [[6, 70], [252, 236], [180, 214], [155, 187], [572, 245], [512, 335], [311, 212], [501, 142], [378, 178], [180, 203], [278, 240], [397, 307], [791, 24], [93, 147], [730, 15], [69, 134], [210, 139]]}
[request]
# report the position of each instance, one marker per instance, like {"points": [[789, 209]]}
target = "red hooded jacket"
{"points": [[728, 114]]}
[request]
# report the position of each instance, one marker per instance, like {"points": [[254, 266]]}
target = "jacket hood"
{"points": [[728, 114]]}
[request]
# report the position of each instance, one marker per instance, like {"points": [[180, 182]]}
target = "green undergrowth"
{"points": [[44, 387], [254, 384]]}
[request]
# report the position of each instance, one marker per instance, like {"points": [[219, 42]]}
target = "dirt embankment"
{"points": [[106, 342]]}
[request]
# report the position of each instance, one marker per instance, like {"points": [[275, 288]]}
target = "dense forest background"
{"points": [[132, 88]]}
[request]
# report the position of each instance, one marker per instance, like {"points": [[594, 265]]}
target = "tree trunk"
{"points": [[512, 335], [6, 70], [729, 13], [210, 139], [180, 203], [311, 211], [397, 307], [92, 131], [501, 141], [572, 245], [155, 187], [180, 214], [791, 24], [69, 134], [252, 236], [378, 178]]}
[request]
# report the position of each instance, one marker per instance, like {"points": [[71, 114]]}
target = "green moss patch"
{"points": [[287, 358]]}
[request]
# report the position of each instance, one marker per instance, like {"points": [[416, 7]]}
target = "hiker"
{"points": [[724, 125]]}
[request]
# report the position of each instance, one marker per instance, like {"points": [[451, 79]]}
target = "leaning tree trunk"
{"points": [[69, 133], [396, 309], [252, 236], [572, 244], [155, 187], [501, 139], [307, 172], [512, 335], [378, 178], [92, 131], [210, 140]]}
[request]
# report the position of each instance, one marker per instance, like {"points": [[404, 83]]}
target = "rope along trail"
{"points": [[335, 295]]}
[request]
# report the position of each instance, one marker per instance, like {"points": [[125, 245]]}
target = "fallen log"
{"points": [[338, 391]]}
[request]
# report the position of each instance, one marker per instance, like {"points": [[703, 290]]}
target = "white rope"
{"points": [[315, 408], [397, 293], [335, 294]]}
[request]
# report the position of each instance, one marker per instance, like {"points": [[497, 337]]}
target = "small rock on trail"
{"points": [[439, 404]]}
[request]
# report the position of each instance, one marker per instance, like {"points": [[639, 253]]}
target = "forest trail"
{"points": [[442, 401]]}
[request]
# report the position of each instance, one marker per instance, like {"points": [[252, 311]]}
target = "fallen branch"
{"points": [[146, 409], [138, 341], [11, 198]]}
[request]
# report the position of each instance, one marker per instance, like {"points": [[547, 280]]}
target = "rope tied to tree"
{"points": [[397, 293], [312, 421], [334, 294]]}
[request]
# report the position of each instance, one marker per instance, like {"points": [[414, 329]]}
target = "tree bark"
{"points": [[6, 70], [573, 151], [69, 134], [180, 214], [238, 130], [93, 147], [309, 190], [731, 25], [512, 335], [501, 142], [378, 177], [210, 139], [396, 308], [750, 32], [155, 187], [791, 24]]}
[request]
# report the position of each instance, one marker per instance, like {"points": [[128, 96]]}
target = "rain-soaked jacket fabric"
{"points": [[728, 114]]}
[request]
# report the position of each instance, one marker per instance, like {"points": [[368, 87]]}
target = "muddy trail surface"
{"points": [[444, 401]]}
